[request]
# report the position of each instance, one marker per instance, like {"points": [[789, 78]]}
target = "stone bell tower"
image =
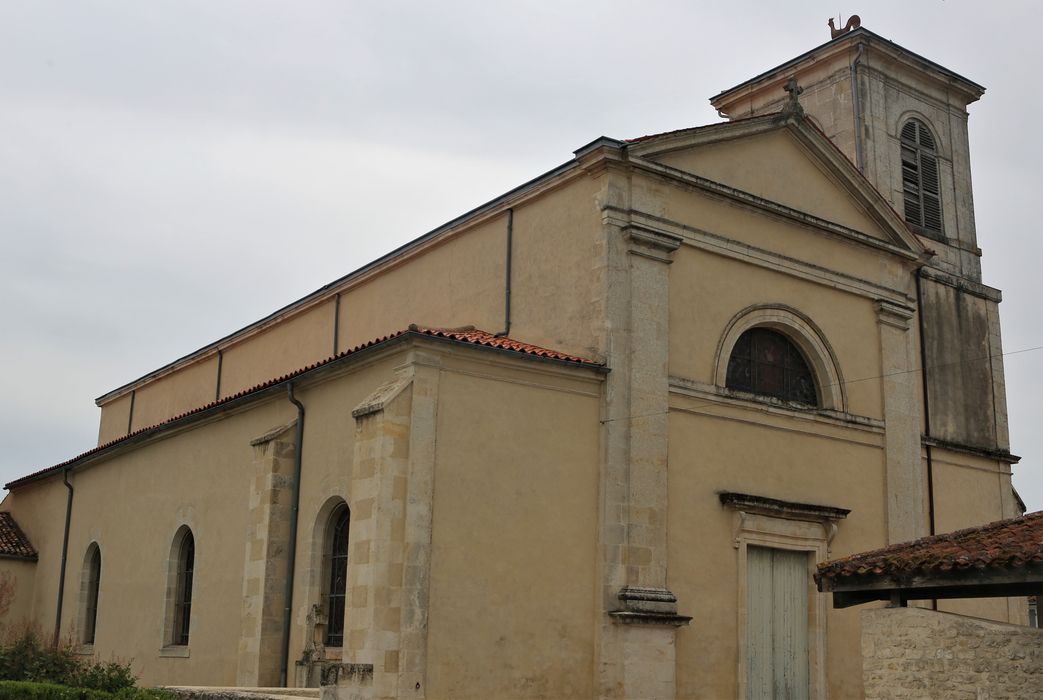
{"points": [[902, 120]]}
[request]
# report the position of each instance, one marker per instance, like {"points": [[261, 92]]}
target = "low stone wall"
{"points": [[915, 653]]}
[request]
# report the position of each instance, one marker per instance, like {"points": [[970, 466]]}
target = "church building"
{"points": [[588, 440]]}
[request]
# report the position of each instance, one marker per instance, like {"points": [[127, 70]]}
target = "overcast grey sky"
{"points": [[171, 171]]}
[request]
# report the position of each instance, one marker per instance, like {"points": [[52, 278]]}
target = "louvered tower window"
{"points": [[923, 204]]}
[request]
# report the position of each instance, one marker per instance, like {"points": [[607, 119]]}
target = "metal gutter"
{"points": [[507, 277], [291, 554], [65, 556]]}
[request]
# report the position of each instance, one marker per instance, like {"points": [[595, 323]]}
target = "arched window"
{"points": [[182, 609], [764, 361], [923, 204], [91, 583], [336, 569]]}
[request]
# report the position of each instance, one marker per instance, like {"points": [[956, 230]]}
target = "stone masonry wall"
{"points": [[914, 653]]}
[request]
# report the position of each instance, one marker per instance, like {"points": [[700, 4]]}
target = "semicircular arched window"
{"points": [[920, 189], [766, 362]]}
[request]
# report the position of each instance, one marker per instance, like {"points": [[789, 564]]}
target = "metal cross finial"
{"points": [[794, 90]]}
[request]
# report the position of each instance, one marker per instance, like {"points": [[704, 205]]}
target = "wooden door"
{"points": [[776, 624]]}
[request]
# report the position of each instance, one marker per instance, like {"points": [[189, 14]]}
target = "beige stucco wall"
{"points": [[329, 438], [771, 165], [193, 386], [197, 478], [39, 509], [521, 452], [704, 298], [282, 348], [200, 477], [913, 653], [539, 445], [17, 584], [782, 237], [715, 449], [455, 281], [114, 420], [513, 564]]}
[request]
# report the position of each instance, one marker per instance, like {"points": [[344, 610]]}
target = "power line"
{"points": [[708, 402]]}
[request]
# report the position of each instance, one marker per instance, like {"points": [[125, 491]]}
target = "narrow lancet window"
{"points": [[90, 613], [337, 568], [183, 590]]}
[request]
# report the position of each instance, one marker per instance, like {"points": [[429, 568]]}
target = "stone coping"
{"points": [[188, 692]]}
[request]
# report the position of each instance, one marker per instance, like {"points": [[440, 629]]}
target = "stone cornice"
{"points": [[781, 509], [838, 50], [971, 287], [768, 206], [738, 250], [892, 314]]}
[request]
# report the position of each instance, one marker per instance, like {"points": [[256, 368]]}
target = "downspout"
{"points": [[926, 409], [291, 554], [65, 553], [130, 413], [336, 324], [217, 384], [507, 281], [856, 107]]}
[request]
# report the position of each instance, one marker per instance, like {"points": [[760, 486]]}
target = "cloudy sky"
{"points": [[171, 171]]}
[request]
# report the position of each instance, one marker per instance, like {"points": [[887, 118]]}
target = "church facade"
{"points": [[587, 440]]}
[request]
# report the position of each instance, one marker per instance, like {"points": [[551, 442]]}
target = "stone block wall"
{"points": [[915, 653]]}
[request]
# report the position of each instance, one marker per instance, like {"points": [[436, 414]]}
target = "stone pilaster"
{"points": [[264, 580], [385, 647], [637, 634], [899, 360]]}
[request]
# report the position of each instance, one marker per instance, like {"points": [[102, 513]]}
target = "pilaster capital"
{"points": [[893, 314], [652, 244]]}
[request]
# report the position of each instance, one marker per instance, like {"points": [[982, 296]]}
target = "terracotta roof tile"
{"points": [[13, 542], [468, 335], [1012, 543]]}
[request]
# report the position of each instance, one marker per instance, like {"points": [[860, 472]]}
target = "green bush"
{"points": [[32, 669], [111, 677], [27, 659], [27, 690]]}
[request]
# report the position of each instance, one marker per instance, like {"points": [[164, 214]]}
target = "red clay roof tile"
{"points": [[470, 335], [1012, 543], [13, 542]]}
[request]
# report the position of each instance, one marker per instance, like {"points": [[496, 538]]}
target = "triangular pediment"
{"points": [[783, 160]]}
